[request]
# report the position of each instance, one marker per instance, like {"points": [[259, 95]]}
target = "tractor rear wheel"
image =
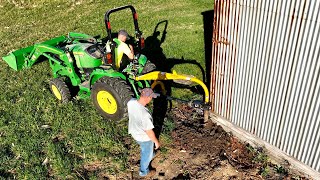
{"points": [[110, 97], [60, 90]]}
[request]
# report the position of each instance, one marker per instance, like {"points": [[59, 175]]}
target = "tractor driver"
{"points": [[123, 48]]}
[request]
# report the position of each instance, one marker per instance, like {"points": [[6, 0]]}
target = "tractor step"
{"points": [[85, 84], [84, 91]]}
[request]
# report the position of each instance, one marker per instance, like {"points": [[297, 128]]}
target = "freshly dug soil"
{"points": [[207, 152], [192, 150]]}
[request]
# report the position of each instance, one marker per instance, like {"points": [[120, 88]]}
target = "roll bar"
{"points": [[134, 15]]}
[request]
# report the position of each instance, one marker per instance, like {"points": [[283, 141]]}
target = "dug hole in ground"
{"points": [[195, 152], [190, 151]]}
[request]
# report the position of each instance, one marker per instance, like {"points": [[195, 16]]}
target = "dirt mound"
{"points": [[206, 152], [192, 150]]}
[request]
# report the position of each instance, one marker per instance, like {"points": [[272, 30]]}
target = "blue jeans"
{"points": [[146, 155]]}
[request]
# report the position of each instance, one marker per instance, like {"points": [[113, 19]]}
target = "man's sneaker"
{"points": [[151, 173]]}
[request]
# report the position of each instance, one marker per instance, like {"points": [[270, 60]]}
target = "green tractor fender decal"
{"points": [[99, 73]]}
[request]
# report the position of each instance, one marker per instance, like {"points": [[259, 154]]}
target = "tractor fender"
{"points": [[142, 59], [99, 73]]}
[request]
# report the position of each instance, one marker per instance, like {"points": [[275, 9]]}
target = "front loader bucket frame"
{"points": [[16, 59], [23, 58]]}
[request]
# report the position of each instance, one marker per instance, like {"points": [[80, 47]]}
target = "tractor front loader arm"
{"points": [[26, 57], [59, 59], [43, 49]]}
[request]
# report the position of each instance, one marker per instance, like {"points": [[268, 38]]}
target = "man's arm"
{"points": [[128, 51], [130, 55], [153, 138]]}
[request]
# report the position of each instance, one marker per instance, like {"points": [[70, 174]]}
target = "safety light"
{"points": [[109, 58], [142, 42], [109, 25]]}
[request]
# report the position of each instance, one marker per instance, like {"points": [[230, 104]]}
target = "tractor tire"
{"points": [[60, 90], [110, 97], [149, 67]]}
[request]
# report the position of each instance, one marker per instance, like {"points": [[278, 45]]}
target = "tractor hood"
{"points": [[87, 55]]}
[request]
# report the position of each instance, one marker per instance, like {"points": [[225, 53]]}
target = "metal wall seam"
{"points": [[294, 82], [235, 97], [287, 95], [214, 55], [287, 37], [243, 48], [258, 97], [314, 159], [303, 93], [279, 69], [294, 110], [249, 65], [299, 90], [237, 65], [313, 43], [224, 55], [309, 97], [316, 148], [311, 136], [230, 39], [280, 57], [267, 70], [242, 62], [229, 59], [220, 60], [234, 45], [252, 48], [273, 71]]}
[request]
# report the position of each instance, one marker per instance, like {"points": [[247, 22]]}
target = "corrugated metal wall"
{"points": [[265, 72]]}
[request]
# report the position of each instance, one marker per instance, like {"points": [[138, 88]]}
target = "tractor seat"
{"points": [[120, 59]]}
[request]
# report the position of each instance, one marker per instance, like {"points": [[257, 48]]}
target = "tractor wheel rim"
{"points": [[56, 92], [107, 102]]}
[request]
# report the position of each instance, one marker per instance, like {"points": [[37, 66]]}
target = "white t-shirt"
{"points": [[140, 120], [124, 48]]}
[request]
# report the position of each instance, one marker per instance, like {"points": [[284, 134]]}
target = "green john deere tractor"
{"points": [[83, 62]]}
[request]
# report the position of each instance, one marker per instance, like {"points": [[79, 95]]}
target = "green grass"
{"points": [[77, 134]]}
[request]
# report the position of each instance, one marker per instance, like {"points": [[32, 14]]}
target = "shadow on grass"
{"points": [[6, 154], [208, 35], [155, 54]]}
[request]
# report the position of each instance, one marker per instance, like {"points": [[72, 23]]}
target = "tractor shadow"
{"points": [[156, 55]]}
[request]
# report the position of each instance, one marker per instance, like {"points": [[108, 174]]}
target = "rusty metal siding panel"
{"points": [[265, 72]]}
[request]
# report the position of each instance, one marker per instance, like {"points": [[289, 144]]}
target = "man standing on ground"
{"points": [[141, 129]]}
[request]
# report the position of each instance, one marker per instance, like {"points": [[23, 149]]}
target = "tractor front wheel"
{"points": [[110, 97], [60, 90]]}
